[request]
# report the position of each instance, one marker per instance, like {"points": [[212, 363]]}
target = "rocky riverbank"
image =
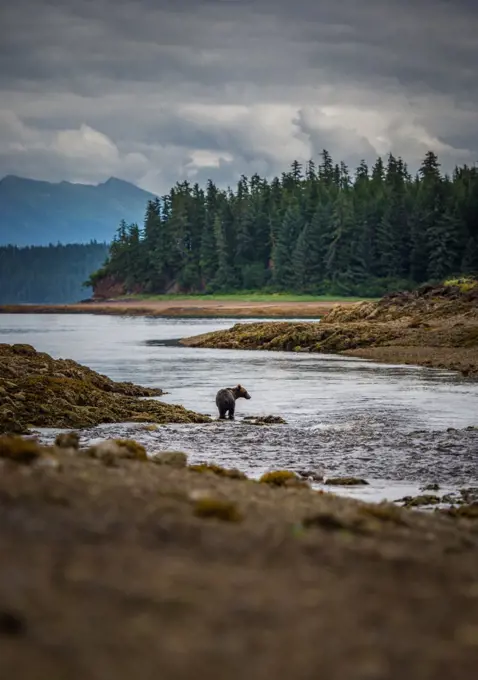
{"points": [[39, 391], [435, 327], [196, 573]]}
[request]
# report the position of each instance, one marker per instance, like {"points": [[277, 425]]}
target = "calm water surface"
{"points": [[400, 427]]}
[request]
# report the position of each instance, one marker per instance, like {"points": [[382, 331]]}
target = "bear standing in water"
{"points": [[226, 400]]}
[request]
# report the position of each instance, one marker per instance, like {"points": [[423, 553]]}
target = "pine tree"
{"points": [[282, 254]]}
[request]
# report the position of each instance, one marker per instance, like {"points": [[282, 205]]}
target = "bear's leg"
{"points": [[231, 413], [222, 414]]}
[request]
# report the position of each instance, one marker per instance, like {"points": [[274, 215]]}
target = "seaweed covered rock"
{"points": [[39, 391], [282, 478], [264, 420], [217, 470], [292, 336], [431, 326]]}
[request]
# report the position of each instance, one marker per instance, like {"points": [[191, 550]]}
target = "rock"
{"points": [[110, 450], [60, 393], [176, 459], [68, 440], [18, 450], [282, 478], [432, 487], [417, 501], [264, 420], [217, 470], [346, 481], [311, 475]]}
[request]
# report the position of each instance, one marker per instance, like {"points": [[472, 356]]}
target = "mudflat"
{"points": [[118, 568]]}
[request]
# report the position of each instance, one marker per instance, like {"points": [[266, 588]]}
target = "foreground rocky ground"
{"points": [[435, 327], [38, 391], [118, 567]]}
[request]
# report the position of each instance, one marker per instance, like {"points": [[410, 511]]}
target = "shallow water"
{"points": [[345, 416]]}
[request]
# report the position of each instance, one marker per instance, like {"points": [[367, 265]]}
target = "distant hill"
{"points": [[38, 213]]}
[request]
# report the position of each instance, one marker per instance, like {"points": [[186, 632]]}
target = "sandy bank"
{"points": [[118, 568], [183, 308]]}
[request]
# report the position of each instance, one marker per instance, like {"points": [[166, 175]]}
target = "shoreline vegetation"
{"points": [[162, 552]]}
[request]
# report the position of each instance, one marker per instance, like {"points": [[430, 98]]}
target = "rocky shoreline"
{"points": [[39, 391], [435, 327]]}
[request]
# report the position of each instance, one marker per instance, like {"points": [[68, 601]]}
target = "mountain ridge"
{"points": [[39, 212]]}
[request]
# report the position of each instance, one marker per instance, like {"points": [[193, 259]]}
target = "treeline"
{"points": [[315, 229], [48, 274]]}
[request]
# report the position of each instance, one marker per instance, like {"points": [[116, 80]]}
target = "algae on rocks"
{"points": [[39, 391], [430, 326]]}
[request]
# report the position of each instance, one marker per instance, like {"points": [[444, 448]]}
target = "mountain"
{"points": [[33, 212]]}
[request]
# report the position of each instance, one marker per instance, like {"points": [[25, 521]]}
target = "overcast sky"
{"points": [[155, 91]]}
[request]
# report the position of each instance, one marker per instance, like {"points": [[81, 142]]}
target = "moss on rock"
{"points": [[264, 420], [19, 450], [282, 478], [39, 391], [215, 508], [217, 470]]}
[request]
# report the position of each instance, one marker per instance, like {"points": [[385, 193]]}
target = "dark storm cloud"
{"points": [[159, 91]]}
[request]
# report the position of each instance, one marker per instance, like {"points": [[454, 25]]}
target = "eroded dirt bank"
{"points": [[116, 567], [182, 308], [39, 391], [432, 326]]}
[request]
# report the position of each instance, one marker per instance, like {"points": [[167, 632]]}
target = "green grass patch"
{"points": [[248, 297]]}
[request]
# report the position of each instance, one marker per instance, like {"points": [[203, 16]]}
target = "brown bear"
{"points": [[226, 400]]}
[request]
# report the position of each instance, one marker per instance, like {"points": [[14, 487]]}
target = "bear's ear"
{"points": [[239, 387]]}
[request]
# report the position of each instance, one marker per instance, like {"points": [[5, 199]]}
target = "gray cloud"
{"points": [[156, 92]]}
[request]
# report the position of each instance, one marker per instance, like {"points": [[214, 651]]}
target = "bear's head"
{"points": [[241, 391]]}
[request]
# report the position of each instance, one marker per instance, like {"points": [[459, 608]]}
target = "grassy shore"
{"points": [[248, 297]]}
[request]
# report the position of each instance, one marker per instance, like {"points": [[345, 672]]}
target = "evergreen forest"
{"points": [[315, 229], [48, 274]]}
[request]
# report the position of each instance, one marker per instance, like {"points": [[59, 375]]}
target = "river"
{"points": [[399, 427]]}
